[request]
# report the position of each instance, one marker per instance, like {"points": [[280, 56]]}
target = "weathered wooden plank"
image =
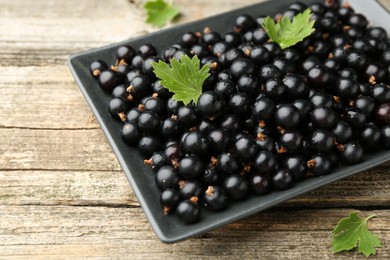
{"points": [[27, 149], [66, 188], [42, 97], [123, 232]]}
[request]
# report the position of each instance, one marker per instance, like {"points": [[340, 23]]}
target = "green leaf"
{"points": [[160, 12], [353, 232], [183, 78], [286, 32]]}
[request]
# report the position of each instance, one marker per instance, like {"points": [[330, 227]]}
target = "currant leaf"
{"points": [[286, 32], [353, 232], [159, 12], [184, 78]]}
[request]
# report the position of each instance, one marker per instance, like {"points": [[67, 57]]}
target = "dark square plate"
{"points": [[141, 177]]}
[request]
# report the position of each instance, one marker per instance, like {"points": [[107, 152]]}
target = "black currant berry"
{"points": [[385, 136], [245, 148], [239, 104], [148, 144], [228, 163], [118, 107], [382, 114], [188, 115], [108, 79], [287, 116], [169, 199], [236, 187], [195, 142], [125, 53], [323, 117], [342, 132], [215, 198], [260, 183], [148, 122], [370, 136], [296, 86], [167, 178], [241, 67], [156, 161], [263, 109], [191, 167], [190, 188], [188, 211], [351, 153], [296, 164], [282, 179], [130, 133], [211, 104], [321, 141], [97, 67], [319, 165], [290, 141], [264, 162]]}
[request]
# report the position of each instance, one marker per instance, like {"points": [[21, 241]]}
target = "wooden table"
{"points": [[62, 191]]}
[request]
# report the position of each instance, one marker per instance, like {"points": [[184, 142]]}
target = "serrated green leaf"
{"points": [[286, 32], [353, 232], [160, 12], [184, 78]]}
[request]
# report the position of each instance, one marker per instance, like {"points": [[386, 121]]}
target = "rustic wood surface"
{"points": [[62, 191]]}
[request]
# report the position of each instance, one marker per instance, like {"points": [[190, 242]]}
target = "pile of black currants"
{"points": [[267, 117]]}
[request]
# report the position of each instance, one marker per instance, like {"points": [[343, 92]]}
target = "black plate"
{"points": [[141, 177]]}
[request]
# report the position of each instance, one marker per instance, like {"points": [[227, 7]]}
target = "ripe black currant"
{"points": [[188, 211], [130, 133], [167, 177], [108, 79], [148, 144], [97, 67], [351, 153], [296, 164], [319, 165], [191, 167], [190, 188], [321, 141], [323, 117], [211, 104], [195, 142], [215, 198], [245, 148], [287, 116], [264, 162], [282, 179], [260, 183], [169, 198], [236, 187]]}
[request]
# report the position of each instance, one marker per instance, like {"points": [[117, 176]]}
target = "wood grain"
{"points": [[63, 194], [78, 232]]}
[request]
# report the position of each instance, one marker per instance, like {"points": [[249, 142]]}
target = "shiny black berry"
{"points": [[282, 179], [188, 211], [169, 199], [211, 104], [191, 167], [215, 198], [351, 153], [287, 116], [236, 187]]}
